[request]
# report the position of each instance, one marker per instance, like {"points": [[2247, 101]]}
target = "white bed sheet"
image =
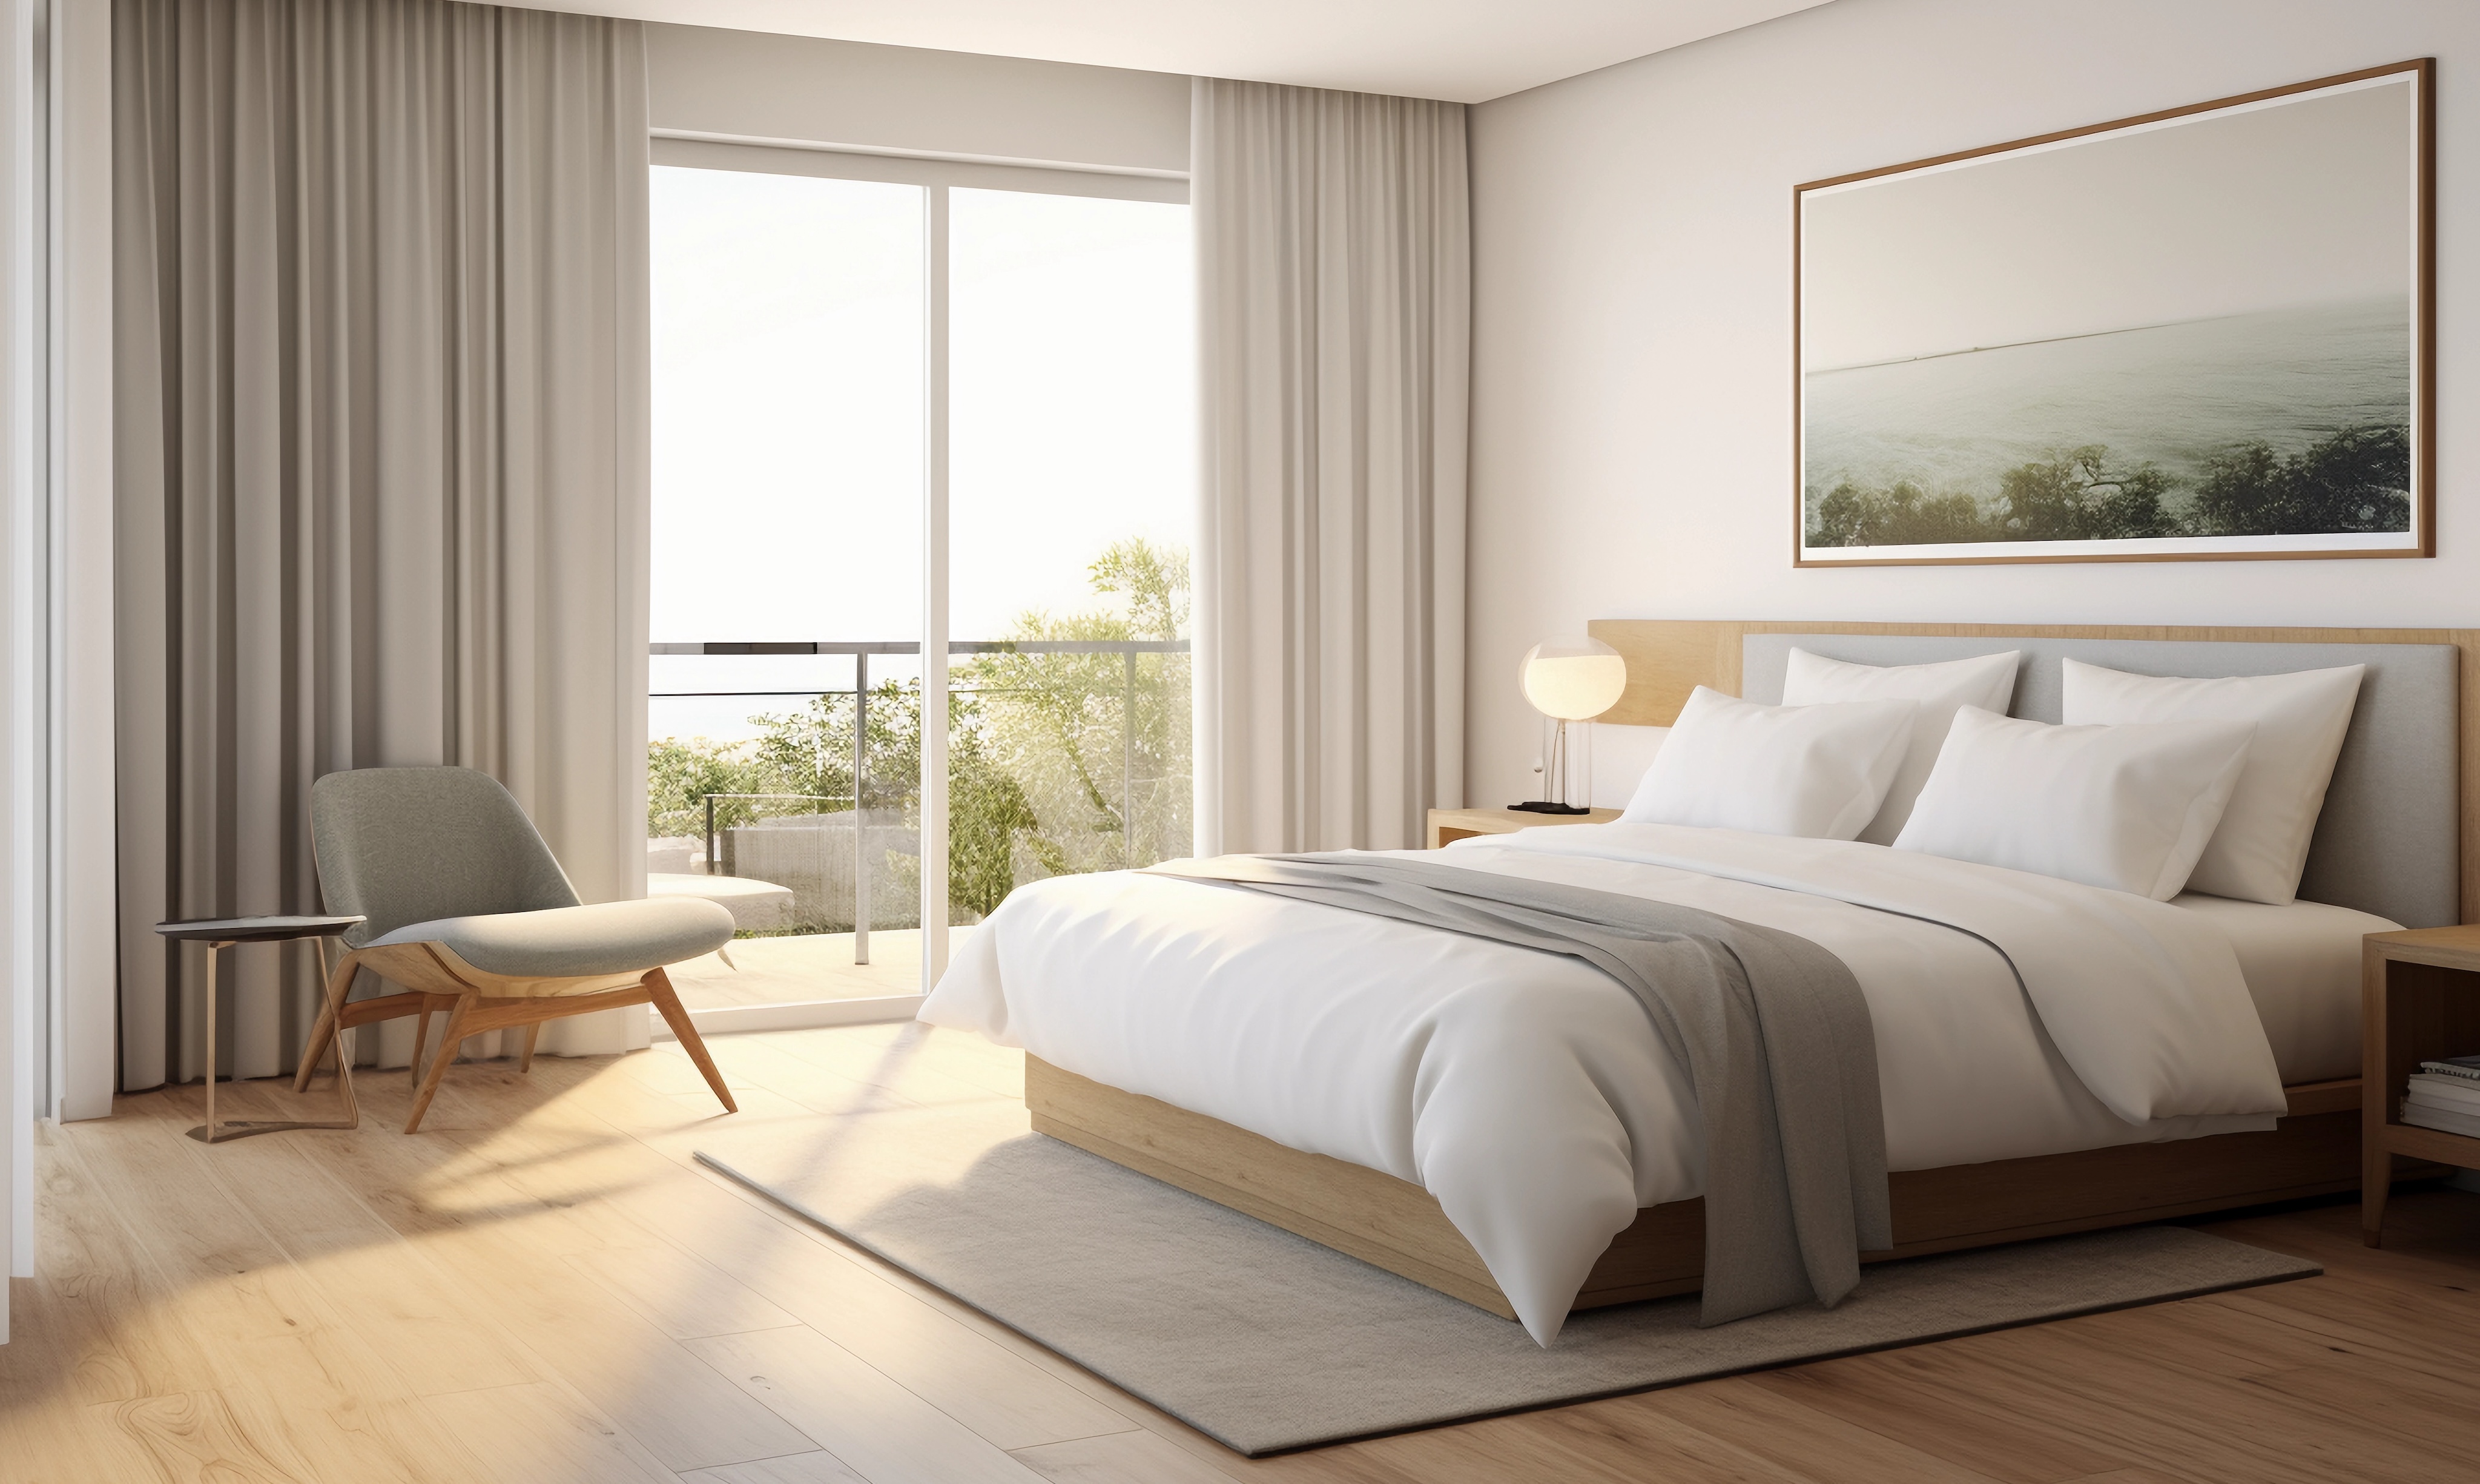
{"points": [[2302, 965], [1529, 1092]]}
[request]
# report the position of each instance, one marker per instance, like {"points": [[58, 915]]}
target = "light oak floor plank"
{"points": [[433, 1332], [94, 1322], [1902, 1398], [201, 1437], [799, 1469], [1138, 1457], [545, 1434], [885, 1432], [489, 1234], [49, 1437], [1787, 1434], [305, 1306], [480, 1377], [920, 1344], [306, 1390]]}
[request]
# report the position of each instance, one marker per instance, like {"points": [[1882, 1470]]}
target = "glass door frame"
{"points": [[936, 174]]}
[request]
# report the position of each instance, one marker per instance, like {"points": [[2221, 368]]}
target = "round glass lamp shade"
{"points": [[1572, 679]]}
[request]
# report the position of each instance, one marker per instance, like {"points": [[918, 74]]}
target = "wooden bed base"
{"points": [[1398, 1226]]}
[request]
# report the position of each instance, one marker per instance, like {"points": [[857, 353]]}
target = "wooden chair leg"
{"points": [[449, 1040], [526, 1061], [421, 1037], [339, 985], [658, 985]]}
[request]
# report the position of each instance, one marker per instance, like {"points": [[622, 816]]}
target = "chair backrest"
{"points": [[411, 844]]}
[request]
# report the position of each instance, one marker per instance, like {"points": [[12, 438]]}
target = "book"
{"points": [[2445, 1091], [2466, 1067], [2440, 1119]]}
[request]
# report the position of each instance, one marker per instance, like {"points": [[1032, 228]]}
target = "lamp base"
{"points": [[1545, 806]]}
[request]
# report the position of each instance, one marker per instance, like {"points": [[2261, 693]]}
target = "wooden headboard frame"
{"points": [[1668, 658]]}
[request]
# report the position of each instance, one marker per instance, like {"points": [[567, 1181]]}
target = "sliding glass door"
{"points": [[788, 442], [890, 412], [1070, 508]]}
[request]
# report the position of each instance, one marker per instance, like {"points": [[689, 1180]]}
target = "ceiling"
{"points": [[1465, 51]]}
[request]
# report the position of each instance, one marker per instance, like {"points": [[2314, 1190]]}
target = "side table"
{"points": [[219, 933], [1446, 824], [2420, 999]]}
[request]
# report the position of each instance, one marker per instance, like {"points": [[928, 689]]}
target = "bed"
{"points": [[1501, 1126]]}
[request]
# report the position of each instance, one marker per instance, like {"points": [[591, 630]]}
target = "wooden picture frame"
{"points": [[1969, 421]]}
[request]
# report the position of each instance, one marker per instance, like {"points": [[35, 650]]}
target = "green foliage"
{"points": [[2077, 498], [2357, 480], [678, 774], [1055, 721], [988, 815], [1035, 760], [1848, 516]]}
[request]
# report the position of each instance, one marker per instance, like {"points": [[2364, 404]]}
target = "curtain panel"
{"points": [[381, 376], [1333, 244]]}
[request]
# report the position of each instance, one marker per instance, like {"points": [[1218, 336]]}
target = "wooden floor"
{"points": [[542, 1287], [809, 967]]}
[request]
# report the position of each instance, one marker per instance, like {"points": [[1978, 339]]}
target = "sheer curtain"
{"points": [[380, 385], [1334, 292]]}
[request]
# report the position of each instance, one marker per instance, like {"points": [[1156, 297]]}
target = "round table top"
{"points": [[254, 930]]}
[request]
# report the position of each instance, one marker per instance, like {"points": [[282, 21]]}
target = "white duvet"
{"points": [[2015, 1015]]}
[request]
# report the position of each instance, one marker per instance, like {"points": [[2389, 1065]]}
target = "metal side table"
{"points": [[219, 933]]}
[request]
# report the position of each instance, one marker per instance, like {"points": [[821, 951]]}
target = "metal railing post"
{"points": [[861, 814], [861, 650]]}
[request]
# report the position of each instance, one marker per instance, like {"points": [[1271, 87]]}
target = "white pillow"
{"points": [[2124, 807], [1819, 772], [2261, 847], [1940, 689]]}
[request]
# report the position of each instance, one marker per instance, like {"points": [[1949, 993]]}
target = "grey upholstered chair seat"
{"points": [[609, 937], [445, 855]]}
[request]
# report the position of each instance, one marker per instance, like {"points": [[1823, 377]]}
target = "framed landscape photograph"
{"points": [[2205, 333]]}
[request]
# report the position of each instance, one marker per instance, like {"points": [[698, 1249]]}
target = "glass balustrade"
{"points": [[1063, 756]]}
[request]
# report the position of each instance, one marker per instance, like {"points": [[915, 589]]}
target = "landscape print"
{"points": [[2195, 337]]}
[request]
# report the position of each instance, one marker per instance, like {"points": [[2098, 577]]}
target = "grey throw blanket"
{"points": [[1771, 1028]]}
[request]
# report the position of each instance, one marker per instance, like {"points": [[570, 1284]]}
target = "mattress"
{"points": [[2014, 1015], [2302, 966]]}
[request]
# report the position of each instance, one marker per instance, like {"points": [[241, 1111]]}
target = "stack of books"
{"points": [[2446, 1095]]}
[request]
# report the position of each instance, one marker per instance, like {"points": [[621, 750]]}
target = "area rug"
{"points": [[1267, 1341]]}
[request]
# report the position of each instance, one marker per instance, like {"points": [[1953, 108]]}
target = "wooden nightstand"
{"points": [[2419, 998], [1447, 824]]}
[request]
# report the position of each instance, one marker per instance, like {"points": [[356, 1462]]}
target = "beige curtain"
{"points": [[381, 389], [1334, 302]]}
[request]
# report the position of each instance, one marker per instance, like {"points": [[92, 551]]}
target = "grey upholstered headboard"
{"points": [[2386, 841]]}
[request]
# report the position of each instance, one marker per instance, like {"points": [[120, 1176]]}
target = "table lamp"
{"points": [[1568, 680]]}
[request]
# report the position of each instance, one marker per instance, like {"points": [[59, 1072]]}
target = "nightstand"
{"points": [[1447, 824], [2420, 999]]}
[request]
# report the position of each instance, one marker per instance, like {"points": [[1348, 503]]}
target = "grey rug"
{"points": [[1267, 1341]]}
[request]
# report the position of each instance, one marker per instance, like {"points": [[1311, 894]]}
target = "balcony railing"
{"points": [[859, 652]]}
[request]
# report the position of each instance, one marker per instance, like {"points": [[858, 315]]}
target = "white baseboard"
{"points": [[728, 1019]]}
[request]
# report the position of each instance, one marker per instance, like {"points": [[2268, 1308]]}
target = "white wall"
{"points": [[85, 924], [754, 86], [1631, 438]]}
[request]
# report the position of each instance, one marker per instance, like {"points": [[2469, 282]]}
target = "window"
{"points": [[886, 411], [1069, 517]]}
